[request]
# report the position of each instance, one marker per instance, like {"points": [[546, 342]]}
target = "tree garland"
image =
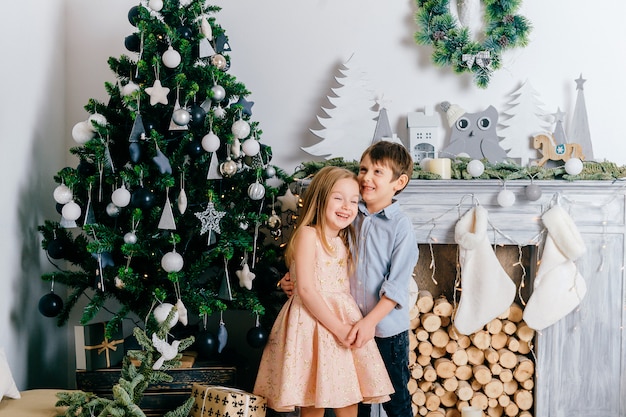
{"points": [[453, 46]]}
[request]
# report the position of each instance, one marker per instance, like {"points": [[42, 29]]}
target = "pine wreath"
{"points": [[452, 44]]}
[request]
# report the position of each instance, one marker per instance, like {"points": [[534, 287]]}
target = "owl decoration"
{"points": [[473, 134]]}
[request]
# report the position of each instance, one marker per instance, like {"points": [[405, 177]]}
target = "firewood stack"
{"points": [[491, 369]]}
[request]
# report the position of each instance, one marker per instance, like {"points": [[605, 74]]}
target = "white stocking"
{"points": [[558, 286], [486, 289]]}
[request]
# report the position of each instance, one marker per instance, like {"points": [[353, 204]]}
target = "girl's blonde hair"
{"points": [[313, 210]]}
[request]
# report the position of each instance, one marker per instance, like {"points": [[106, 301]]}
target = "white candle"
{"points": [[441, 166], [471, 412]]}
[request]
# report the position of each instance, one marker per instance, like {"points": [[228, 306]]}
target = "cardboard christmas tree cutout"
{"points": [[524, 119], [580, 122], [348, 130]]}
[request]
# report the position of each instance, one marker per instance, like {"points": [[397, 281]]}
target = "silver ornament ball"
{"points": [[130, 238], [181, 117], [228, 168], [218, 93], [256, 191]]}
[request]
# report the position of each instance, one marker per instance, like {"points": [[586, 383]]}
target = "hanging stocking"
{"points": [[487, 290], [558, 287]]}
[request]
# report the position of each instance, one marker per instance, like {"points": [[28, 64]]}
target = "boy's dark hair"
{"points": [[392, 154]]}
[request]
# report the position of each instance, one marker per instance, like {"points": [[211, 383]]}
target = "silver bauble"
{"points": [[274, 222], [130, 238], [217, 93], [256, 191], [112, 210], [270, 172], [533, 192], [181, 117], [228, 168], [218, 61]]}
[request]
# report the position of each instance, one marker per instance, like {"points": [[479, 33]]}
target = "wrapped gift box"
{"points": [[218, 401], [94, 350]]}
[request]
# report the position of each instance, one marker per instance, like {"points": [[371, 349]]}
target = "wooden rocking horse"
{"points": [[562, 152]]}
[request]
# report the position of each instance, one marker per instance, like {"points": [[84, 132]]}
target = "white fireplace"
{"points": [[580, 360]]}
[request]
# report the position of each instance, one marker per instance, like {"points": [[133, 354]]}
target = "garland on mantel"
{"points": [[452, 44], [596, 171]]}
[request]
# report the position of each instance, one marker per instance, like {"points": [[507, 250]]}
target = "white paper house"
{"points": [[423, 135]]}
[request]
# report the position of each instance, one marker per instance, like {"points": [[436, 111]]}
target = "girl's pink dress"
{"points": [[304, 366]]}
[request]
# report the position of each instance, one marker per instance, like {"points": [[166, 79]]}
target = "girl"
{"points": [[308, 362]]}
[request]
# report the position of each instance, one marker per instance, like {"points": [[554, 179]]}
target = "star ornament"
{"points": [[245, 277], [157, 93], [289, 201], [210, 219]]}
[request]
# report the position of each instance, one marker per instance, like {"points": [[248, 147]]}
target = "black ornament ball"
{"points": [[198, 114], [142, 198], [132, 43], [194, 148], [50, 305], [206, 343], [133, 15], [256, 337], [56, 248], [59, 208], [86, 168], [185, 32]]}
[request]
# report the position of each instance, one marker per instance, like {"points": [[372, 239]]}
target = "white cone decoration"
{"points": [[558, 287], [487, 290]]}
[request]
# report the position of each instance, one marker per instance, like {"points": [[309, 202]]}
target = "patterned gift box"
{"points": [[94, 350], [218, 401]]}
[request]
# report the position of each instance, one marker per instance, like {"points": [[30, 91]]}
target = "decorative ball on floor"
{"points": [[50, 305]]}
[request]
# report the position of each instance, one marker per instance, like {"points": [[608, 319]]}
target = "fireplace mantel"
{"points": [[581, 360]]}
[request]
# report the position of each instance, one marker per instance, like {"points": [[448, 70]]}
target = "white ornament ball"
{"points": [[98, 119], [71, 211], [181, 117], [172, 262], [218, 93], [130, 238], [129, 89], [241, 129], [171, 58], [62, 194], [155, 5], [210, 142], [251, 147], [256, 191], [574, 166], [112, 210], [506, 198], [463, 155], [533, 192], [424, 163], [82, 132], [475, 168], [162, 311], [121, 197]]}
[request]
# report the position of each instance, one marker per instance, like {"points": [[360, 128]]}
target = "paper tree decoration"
{"points": [[348, 129], [423, 135], [524, 120], [579, 132]]}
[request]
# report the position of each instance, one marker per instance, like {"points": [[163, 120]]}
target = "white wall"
{"points": [[287, 53], [31, 151]]}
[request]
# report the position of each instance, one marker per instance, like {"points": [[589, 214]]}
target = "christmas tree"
{"points": [[171, 201]]}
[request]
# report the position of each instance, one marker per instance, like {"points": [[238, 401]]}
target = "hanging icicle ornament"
{"points": [[222, 335], [182, 195]]}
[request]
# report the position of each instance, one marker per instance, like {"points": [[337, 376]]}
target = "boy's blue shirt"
{"points": [[387, 254]]}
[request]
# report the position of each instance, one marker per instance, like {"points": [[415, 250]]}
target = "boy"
{"points": [[387, 254]]}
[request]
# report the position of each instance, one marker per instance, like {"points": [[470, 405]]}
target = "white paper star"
{"points": [[288, 201], [210, 219], [157, 93], [245, 277]]}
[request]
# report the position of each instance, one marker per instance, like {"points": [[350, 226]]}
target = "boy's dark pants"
{"points": [[395, 353]]}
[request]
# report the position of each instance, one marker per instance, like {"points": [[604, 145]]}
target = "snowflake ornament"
{"points": [[210, 219]]}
